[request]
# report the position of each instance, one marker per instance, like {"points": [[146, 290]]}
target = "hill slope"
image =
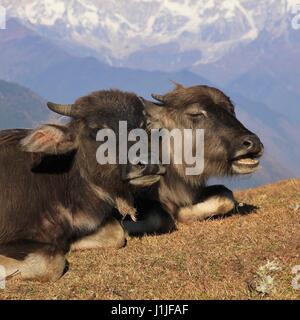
{"points": [[214, 259], [20, 107]]}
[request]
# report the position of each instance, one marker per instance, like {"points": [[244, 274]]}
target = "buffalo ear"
{"points": [[49, 139]]}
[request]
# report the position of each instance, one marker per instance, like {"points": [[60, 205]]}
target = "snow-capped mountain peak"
{"points": [[116, 29]]}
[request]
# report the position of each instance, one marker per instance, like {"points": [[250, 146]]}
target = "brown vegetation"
{"points": [[214, 259]]}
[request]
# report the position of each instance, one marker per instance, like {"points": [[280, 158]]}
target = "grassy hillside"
{"points": [[228, 258]]}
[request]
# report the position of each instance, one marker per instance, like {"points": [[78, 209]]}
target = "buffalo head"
{"points": [[229, 147], [89, 114]]}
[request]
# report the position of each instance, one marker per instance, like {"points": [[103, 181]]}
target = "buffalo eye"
{"points": [[197, 115]]}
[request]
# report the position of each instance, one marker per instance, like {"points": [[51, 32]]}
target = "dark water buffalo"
{"points": [[229, 149], [54, 194]]}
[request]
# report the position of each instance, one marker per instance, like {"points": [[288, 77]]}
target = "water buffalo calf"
{"points": [[54, 194], [229, 149]]}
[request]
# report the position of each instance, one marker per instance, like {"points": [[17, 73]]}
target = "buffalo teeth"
{"points": [[247, 161]]}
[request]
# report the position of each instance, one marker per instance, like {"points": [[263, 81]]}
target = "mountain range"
{"points": [[196, 32], [246, 45], [37, 63]]}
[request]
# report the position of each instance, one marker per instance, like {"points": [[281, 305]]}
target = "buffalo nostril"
{"points": [[248, 144], [141, 165]]}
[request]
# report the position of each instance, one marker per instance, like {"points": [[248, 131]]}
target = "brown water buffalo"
{"points": [[55, 195], [229, 149]]}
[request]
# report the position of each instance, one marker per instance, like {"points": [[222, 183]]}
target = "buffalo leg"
{"points": [[33, 261], [214, 201], [110, 235], [152, 219]]}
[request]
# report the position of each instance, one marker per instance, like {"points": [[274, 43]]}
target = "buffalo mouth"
{"points": [[144, 175], [246, 164]]}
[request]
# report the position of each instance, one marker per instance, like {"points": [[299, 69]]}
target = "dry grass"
{"points": [[215, 259]]}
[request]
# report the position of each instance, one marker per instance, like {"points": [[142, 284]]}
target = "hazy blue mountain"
{"points": [[20, 107], [74, 77], [266, 71], [24, 54], [36, 62], [274, 78]]}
